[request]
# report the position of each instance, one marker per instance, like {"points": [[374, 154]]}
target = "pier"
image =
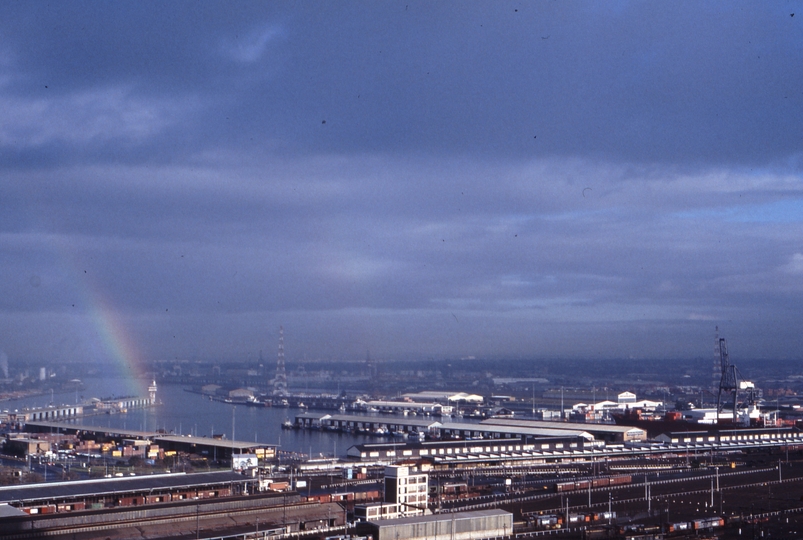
{"points": [[218, 449], [51, 413], [364, 424]]}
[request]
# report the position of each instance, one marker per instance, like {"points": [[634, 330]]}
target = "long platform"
{"points": [[208, 446], [156, 485]]}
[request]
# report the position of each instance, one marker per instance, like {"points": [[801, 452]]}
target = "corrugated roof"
{"points": [[518, 430], [454, 516], [599, 428], [79, 488], [209, 441], [10, 511], [62, 426], [395, 420]]}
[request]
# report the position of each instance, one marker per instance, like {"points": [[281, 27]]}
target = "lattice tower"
{"points": [[717, 371], [280, 381], [729, 378]]}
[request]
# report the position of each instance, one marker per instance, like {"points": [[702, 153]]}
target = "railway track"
{"points": [[194, 513]]}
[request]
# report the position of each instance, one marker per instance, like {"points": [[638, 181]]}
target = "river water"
{"points": [[187, 413]]}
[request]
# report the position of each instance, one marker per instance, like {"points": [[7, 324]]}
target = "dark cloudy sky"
{"points": [[520, 179]]}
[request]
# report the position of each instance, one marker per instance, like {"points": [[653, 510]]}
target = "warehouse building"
{"points": [[217, 449], [472, 450], [449, 398], [405, 407], [526, 433], [602, 432], [210, 447], [757, 435], [454, 526], [51, 413], [357, 423], [70, 496]]}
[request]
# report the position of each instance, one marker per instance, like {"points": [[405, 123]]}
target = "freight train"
{"points": [[594, 520], [579, 485]]}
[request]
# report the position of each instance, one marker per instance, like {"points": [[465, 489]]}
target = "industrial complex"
{"points": [[427, 464]]}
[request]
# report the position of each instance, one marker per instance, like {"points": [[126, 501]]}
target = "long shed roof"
{"points": [[518, 430], [592, 428], [79, 488], [456, 516]]}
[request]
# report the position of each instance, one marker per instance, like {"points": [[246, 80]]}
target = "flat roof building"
{"points": [[444, 397], [454, 526], [605, 432], [155, 488], [486, 450], [355, 422], [406, 407], [51, 413], [495, 429], [214, 448], [220, 449], [406, 487]]}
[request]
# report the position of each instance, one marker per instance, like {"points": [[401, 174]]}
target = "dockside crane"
{"points": [[731, 380], [728, 381]]}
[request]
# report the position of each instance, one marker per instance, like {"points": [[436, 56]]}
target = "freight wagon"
{"points": [[707, 523], [696, 525], [580, 485], [679, 527], [41, 509]]}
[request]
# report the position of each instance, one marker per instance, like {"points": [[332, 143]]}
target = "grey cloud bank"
{"points": [[599, 180]]}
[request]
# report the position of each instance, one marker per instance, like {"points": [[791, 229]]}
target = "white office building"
{"points": [[406, 492]]}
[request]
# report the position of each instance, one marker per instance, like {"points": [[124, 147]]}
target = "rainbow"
{"points": [[127, 362], [105, 334]]}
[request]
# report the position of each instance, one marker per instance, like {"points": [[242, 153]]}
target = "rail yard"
{"points": [[453, 465], [718, 491]]}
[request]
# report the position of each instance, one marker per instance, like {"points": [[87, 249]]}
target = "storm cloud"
{"points": [[506, 179]]}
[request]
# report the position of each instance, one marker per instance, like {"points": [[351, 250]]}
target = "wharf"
{"points": [[364, 424], [434, 429], [71, 428], [297, 401], [219, 448], [79, 410]]}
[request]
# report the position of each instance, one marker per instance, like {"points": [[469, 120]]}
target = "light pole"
{"points": [[284, 511], [609, 508], [712, 493]]}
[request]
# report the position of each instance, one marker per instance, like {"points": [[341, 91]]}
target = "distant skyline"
{"points": [[415, 179]]}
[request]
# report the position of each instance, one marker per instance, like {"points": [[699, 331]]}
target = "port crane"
{"points": [[731, 380]]}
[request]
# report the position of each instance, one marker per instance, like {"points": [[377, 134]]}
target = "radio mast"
{"points": [[280, 381]]}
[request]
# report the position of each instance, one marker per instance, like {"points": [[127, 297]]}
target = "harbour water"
{"points": [[186, 413]]}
